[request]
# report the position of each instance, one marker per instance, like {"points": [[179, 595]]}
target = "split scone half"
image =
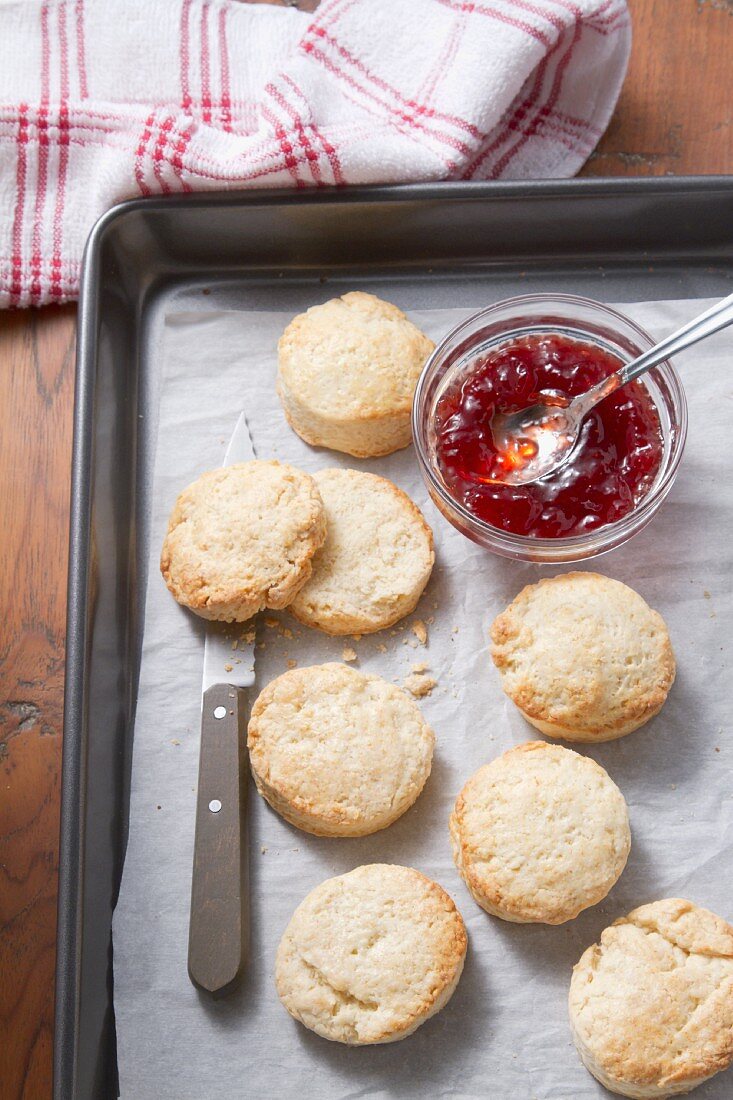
{"points": [[651, 1005], [371, 955], [583, 656]]}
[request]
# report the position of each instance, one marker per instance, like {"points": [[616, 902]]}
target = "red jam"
{"points": [[612, 467]]}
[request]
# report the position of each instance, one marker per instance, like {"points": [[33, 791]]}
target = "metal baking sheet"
{"points": [[422, 246]]}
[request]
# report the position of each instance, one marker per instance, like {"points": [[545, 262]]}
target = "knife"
{"points": [[218, 934]]}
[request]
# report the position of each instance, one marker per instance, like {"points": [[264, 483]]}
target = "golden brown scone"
{"points": [[369, 956], [241, 538], [347, 373], [338, 752], [540, 834], [583, 657], [376, 560], [651, 1005]]}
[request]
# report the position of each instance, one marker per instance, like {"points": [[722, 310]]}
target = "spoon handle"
{"points": [[717, 317]]}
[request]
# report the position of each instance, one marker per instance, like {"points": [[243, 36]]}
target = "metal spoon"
{"points": [[535, 442]]}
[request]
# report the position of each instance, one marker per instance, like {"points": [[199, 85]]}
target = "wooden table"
{"points": [[674, 117]]}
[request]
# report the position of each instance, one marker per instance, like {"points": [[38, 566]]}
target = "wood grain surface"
{"points": [[674, 117], [37, 365]]}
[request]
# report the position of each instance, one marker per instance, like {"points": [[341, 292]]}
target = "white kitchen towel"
{"points": [[105, 100]]}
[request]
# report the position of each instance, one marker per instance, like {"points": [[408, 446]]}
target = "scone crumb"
{"points": [[249, 637], [348, 654], [175, 742], [420, 667], [420, 631], [272, 623], [263, 849], [291, 662], [228, 668], [356, 637], [382, 647], [706, 594], [419, 685], [286, 632]]}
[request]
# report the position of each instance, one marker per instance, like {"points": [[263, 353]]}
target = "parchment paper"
{"points": [[505, 1033]]}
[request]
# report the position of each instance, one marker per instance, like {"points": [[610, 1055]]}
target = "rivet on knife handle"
{"points": [[219, 926]]}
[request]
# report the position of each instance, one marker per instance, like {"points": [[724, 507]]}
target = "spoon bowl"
{"points": [[532, 442]]}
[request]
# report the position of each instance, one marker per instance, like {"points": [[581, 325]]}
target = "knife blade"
{"points": [[218, 935]]}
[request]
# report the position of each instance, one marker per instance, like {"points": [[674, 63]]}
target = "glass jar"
{"points": [[577, 318]]}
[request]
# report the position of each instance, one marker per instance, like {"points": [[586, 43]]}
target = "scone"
{"points": [[376, 560], [338, 752], [651, 1005], [369, 956], [347, 373], [241, 538], [539, 834], [583, 657]]}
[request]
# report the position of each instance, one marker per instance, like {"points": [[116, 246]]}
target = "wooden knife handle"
{"points": [[219, 927]]}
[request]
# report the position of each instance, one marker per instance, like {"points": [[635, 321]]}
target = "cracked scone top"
{"points": [[347, 371], [370, 955], [583, 656], [540, 834], [375, 562], [338, 752], [241, 538], [651, 1005]]}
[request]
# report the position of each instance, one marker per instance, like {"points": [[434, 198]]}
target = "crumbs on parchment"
{"points": [[420, 685]]}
